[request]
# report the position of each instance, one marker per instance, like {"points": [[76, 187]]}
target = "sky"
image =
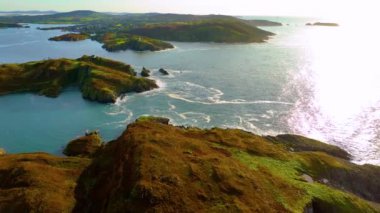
{"points": [[320, 8]]}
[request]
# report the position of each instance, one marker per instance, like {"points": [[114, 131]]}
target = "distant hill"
{"points": [[219, 30], [27, 12], [74, 17]]}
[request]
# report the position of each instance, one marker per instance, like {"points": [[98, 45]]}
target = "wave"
{"points": [[195, 93]]}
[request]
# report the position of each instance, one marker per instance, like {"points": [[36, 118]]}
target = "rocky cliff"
{"points": [[156, 167]]}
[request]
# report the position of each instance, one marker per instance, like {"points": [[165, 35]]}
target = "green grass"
{"points": [[291, 171]]}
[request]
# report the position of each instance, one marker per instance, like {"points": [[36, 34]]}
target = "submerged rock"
{"points": [[2, 151], [84, 146], [163, 71]]}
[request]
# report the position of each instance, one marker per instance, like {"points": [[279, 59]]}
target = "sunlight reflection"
{"points": [[344, 95]]}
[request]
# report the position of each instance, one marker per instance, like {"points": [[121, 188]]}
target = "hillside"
{"points": [[225, 31], [157, 167], [99, 79]]}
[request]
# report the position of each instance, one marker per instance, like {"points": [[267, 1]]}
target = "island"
{"points": [[263, 23], [70, 37], [323, 24], [149, 31], [157, 167], [98, 79], [10, 25]]}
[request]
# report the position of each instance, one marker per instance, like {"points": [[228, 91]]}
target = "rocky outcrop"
{"points": [[297, 143], [156, 167], [145, 72], [85, 146], [99, 79]]}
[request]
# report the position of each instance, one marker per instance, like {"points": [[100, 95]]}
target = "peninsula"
{"points": [[70, 37], [10, 25], [156, 167], [99, 79], [263, 23]]}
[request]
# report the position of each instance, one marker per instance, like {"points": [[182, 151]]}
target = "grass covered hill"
{"points": [[220, 30], [99, 79], [157, 167]]}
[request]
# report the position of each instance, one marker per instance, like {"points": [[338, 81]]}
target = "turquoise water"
{"points": [[295, 83]]}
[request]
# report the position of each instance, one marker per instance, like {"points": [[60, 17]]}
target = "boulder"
{"points": [[2, 151], [145, 72], [163, 71]]}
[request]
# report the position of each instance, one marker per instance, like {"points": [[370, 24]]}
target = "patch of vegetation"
{"points": [[99, 79]]}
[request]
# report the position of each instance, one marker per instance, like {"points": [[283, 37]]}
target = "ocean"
{"points": [[320, 82]]}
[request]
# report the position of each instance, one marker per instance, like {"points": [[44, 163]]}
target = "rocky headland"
{"points": [[70, 37], [99, 79], [156, 167], [263, 23]]}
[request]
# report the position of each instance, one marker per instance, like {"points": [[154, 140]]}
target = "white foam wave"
{"points": [[171, 106], [195, 116], [195, 93]]}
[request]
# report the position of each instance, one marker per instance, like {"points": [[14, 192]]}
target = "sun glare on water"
{"points": [[341, 100]]}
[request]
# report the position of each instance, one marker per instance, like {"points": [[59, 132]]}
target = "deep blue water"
{"points": [[269, 88]]}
